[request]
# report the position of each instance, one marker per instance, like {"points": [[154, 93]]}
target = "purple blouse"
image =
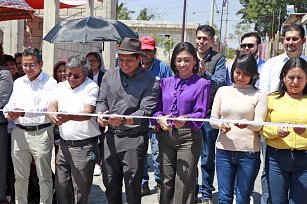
{"points": [[184, 97]]}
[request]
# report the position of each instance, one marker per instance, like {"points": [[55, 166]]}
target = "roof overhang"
{"points": [[294, 18], [39, 4]]}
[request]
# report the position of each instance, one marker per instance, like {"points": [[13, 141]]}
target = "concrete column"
{"points": [[7, 36], [90, 8], [20, 35], [13, 38], [51, 16], [109, 11]]}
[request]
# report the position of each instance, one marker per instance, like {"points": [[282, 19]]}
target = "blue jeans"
{"points": [[208, 160], [286, 171], [231, 164], [155, 156], [265, 195]]}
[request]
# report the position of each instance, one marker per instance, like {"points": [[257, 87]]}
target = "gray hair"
{"points": [[78, 62], [33, 52]]}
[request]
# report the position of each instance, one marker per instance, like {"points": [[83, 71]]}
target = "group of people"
{"points": [[102, 117]]}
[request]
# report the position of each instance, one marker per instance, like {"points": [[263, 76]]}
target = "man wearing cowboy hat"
{"points": [[127, 91]]}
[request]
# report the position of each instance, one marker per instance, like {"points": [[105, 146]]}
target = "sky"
{"points": [[197, 11]]}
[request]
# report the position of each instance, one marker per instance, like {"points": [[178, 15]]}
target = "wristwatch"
{"points": [[124, 121]]}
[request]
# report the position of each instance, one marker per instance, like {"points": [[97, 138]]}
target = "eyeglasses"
{"points": [[249, 45], [31, 66], [293, 38], [74, 76]]}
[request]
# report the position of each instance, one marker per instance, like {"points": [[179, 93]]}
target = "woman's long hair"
{"points": [[290, 64]]}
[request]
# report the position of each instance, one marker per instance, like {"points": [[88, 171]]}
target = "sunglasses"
{"points": [[293, 38], [74, 76], [249, 45]]}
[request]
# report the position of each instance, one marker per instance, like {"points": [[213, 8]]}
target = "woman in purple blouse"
{"points": [[185, 95]]}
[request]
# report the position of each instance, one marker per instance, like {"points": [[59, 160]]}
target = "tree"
{"points": [[168, 47], [230, 53], [166, 43], [145, 15], [123, 13], [268, 15], [239, 30]]}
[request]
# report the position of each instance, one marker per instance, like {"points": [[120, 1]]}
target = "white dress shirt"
{"points": [[32, 96], [73, 101], [269, 77]]}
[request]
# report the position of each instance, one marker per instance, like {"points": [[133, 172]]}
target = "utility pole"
{"points": [[226, 21], [211, 13], [183, 20], [221, 26], [109, 11], [90, 8]]}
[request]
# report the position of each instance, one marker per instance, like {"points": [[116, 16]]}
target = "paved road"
{"points": [[98, 189]]}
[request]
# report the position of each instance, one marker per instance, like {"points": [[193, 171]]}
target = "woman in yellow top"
{"points": [[286, 153]]}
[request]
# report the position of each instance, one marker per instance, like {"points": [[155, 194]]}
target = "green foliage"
{"points": [[230, 53], [166, 43], [146, 15], [239, 30], [123, 13], [267, 15]]}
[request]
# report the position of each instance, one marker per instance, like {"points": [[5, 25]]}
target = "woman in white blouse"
{"points": [[237, 145]]}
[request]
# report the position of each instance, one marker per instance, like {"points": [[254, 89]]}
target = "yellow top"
{"points": [[286, 110]]}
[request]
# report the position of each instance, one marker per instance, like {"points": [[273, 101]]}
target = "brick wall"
{"points": [[33, 33]]}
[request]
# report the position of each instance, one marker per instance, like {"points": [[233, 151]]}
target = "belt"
{"points": [[124, 133], [33, 128], [80, 143], [286, 150]]}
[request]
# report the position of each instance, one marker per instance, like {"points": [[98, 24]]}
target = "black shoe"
{"points": [[145, 190], [158, 186]]}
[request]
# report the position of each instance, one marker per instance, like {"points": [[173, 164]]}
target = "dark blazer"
{"points": [[6, 87], [100, 75]]}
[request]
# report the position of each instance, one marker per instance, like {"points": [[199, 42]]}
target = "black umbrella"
{"points": [[89, 29]]}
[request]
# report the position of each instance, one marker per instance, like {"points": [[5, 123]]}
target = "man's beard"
{"points": [[291, 49], [251, 53]]}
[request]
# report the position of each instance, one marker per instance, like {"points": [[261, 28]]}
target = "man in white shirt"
{"points": [[294, 39], [76, 157], [32, 136]]}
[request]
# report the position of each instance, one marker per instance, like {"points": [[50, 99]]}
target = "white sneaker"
{"points": [[252, 200], [97, 170]]}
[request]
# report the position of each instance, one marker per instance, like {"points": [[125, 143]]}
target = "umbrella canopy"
{"points": [[89, 29], [39, 4], [15, 9]]}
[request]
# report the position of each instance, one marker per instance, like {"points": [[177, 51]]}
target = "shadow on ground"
{"points": [[215, 198]]}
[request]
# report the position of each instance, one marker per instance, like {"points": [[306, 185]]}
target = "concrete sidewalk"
{"points": [[98, 190]]}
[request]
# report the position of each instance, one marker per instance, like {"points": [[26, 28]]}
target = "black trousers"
{"points": [[123, 159], [74, 172], [3, 159]]}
